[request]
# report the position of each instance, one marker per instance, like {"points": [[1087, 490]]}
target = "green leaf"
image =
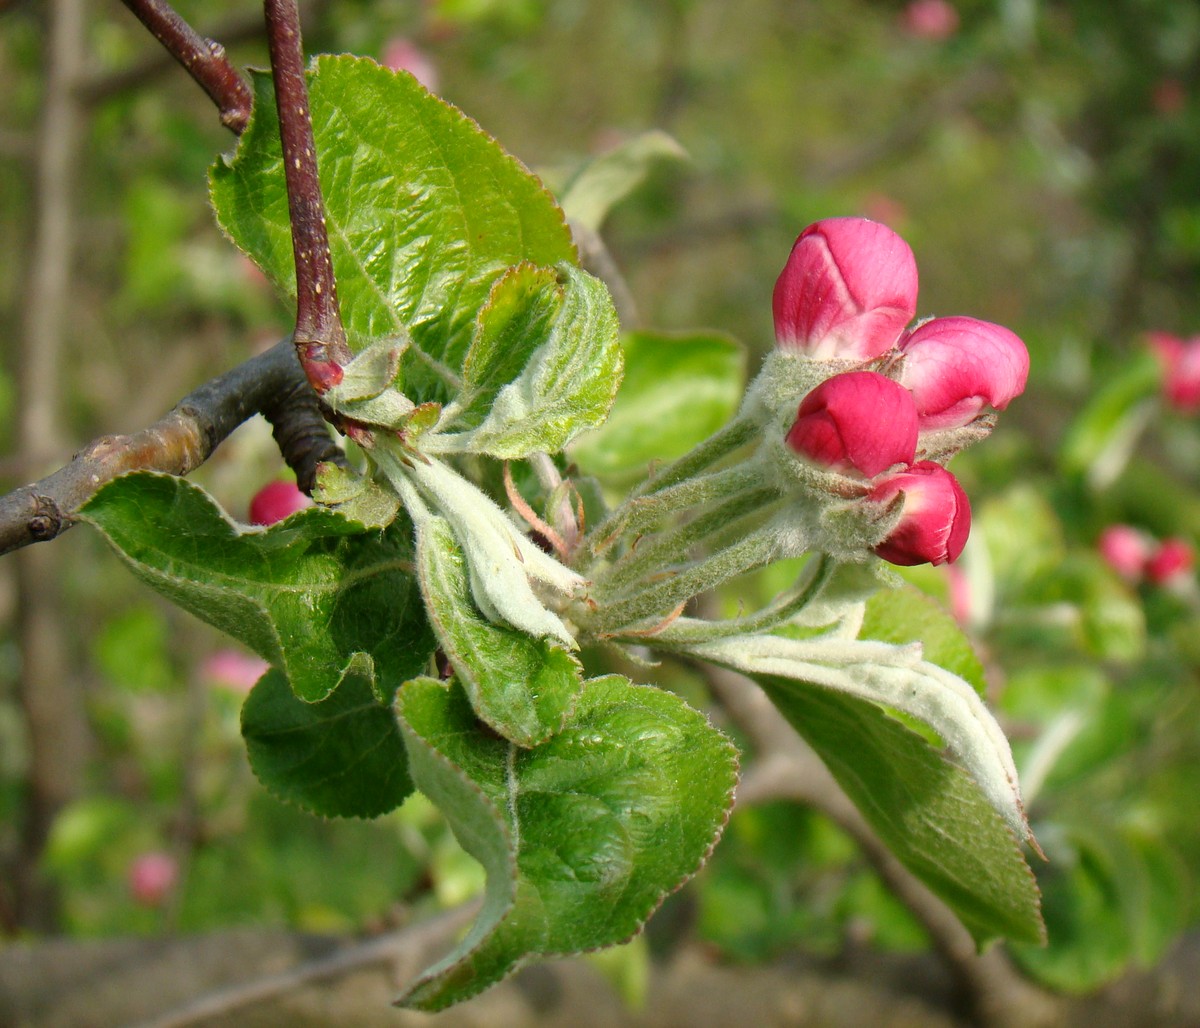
{"points": [[604, 182], [357, 497], [521, 686], [511, 326], [312, 594], [581, 837], [1089, 941], [1023, 535], [907, 615], [1108, 621], [566, 385], [424, 212], [1159, 907], [931, 814], [341, 757], [678, 389], [1101, 439]]}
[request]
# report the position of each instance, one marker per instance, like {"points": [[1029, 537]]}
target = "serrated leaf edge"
{"points": [[522, 961]]}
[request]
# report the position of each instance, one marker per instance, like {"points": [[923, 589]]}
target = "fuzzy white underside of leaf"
{"points": [[894, 676], [502, 563]]}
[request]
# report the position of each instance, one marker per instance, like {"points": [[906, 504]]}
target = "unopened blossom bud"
{"points": [[1125, 550], [934, 521], [859, 421], [1180, 361], [1171, 563], [275, 501], [847, 291], [957, 367], [151, 878]]}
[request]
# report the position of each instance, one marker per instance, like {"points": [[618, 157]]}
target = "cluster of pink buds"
{"points": [[1180, 363], [848, 294], [1135, 556]]}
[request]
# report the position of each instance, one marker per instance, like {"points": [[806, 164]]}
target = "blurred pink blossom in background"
{"points": [[1180, 361], [233, 670], [930, 19], [402, 54], [151, 877]]}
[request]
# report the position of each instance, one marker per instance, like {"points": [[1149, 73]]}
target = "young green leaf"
{"points": [[424, 212], [510, 327], [1103, 435], [581, 837], [313, 594], [677, 391], [603, 183], [566, 385], [357, 497], [340, 757], [521, 686]]}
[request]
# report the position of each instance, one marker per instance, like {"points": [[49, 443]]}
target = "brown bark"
{"points": [[53, 708]]}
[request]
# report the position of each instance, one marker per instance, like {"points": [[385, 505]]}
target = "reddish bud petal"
{"points": [[1180, 361], [848, 289], [1125, 550], [957, 367], [151, 878], [275, 501], [1172, 562], [935, 520], [860, 421]]}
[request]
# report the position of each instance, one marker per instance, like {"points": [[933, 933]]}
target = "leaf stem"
{"points": [[658, 598], [694, 630], [639, 513], [202, 58], [718, 445], [319, 338], [672, 546]]}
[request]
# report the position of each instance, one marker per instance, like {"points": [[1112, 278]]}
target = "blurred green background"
{"points": [[1042, 159]]}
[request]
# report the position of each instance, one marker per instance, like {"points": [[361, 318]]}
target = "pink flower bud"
{"points": [[930, 19], [934, 521], [956, 367], [275, 501], [1171, 563], [151, 877], [1180, 361], [1125, 550], [860, 421], [848, 289]]}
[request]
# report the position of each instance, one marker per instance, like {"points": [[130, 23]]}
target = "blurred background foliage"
{"points": [[1042, 157]]}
